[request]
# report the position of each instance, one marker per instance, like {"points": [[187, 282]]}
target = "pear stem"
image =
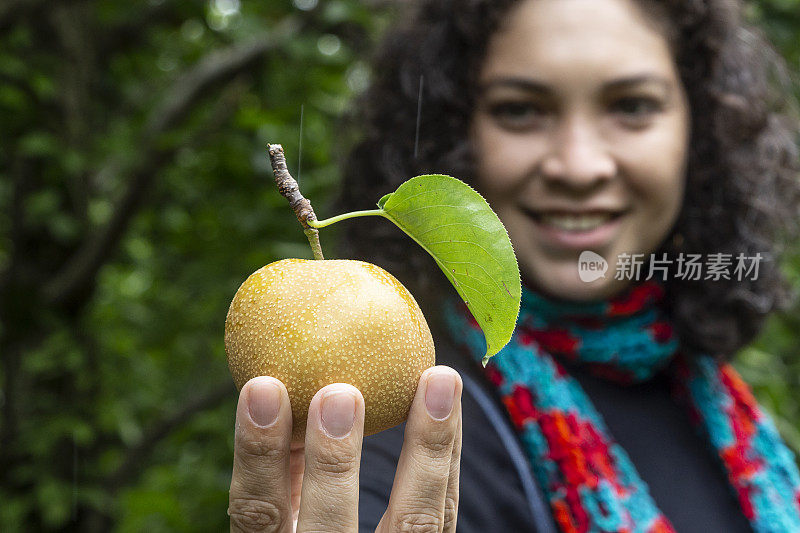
{"points": [[345, 216], [313, 240], [289, 189]]}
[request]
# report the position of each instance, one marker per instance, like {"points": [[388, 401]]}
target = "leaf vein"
{"points": [[470, 224], [468, 242], [427, 191], [406, 213]]}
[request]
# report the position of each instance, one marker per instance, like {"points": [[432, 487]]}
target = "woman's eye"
{"points": [[516, 115], [636, 110]]}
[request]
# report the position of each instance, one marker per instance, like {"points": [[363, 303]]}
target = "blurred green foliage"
{"points": [[135, 197]]}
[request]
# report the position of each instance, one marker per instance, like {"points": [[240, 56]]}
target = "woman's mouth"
{"points": [[577, 231], [575, 223]]}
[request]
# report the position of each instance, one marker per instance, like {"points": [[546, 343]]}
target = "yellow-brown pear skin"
{"points": [[310, 323]]}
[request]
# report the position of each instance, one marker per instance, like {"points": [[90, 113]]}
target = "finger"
{"points": [[297, 464], [329, 500], [420, 489], [451, 499], [259, 496]]}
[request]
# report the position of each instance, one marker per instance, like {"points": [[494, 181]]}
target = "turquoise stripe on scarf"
{"points": [[627, 338]]}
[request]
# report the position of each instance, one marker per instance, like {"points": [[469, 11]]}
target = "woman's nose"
{"points": [[579, 156]]}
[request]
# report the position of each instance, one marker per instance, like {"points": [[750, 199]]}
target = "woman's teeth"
{"points": [[576, 222]]}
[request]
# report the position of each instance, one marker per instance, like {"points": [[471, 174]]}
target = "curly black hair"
{"points": [[742, 190]]}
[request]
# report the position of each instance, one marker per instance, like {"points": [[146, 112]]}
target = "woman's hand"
{"points": [[280, 488]]}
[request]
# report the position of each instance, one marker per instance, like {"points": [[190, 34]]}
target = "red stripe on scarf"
{"points": [[493, 374], [635, 299], [662, 331], [563, 517], [583, 459], [743, 413], [661, 525], [554, 341]]}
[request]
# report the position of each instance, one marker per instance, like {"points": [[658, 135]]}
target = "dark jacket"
{"points": [[498, 492]]}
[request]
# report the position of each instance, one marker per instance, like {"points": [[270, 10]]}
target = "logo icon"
{"points": [[591, 266]]}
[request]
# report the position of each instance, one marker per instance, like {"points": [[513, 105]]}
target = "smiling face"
{"points": [[580, 134]]}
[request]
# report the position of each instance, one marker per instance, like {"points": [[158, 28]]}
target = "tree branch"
{"points": [[26, 89], [13, 10], [10, 10], [137, 454], [134, 30], [76, 276]]}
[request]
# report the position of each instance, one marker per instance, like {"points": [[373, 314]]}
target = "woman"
{"points": [[621, 127]]}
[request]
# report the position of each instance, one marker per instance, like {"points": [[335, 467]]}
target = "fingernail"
{"points": [[439, 394], [264, 402], [338, 413]]}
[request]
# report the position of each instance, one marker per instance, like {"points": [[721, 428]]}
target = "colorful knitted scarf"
{"points": [[588, 478]]}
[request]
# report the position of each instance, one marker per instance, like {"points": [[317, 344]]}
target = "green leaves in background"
{"points": [[454, 224]]}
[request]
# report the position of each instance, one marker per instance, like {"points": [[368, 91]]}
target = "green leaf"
{"points": [[454, 224]]}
